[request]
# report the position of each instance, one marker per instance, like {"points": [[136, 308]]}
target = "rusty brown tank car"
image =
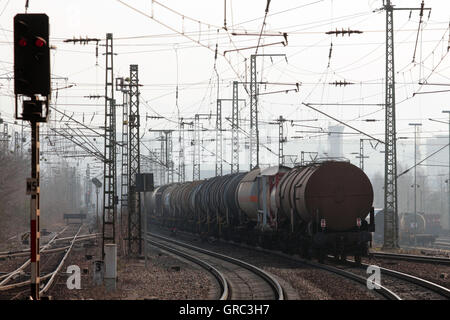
{"points": [[338, 192], [320, 208]]}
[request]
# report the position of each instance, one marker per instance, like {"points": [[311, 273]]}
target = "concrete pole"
{"points": [[415, 186], [415, 180], [110, 266], [96, 219], [448, 181]]}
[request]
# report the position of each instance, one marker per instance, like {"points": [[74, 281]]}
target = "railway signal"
{"points": [[31, 54], [32, 85]]}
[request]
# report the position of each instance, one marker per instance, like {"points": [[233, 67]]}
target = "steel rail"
{"points": [[216, 273], [346, 274], [27, 282], [94, 235], [8, 277], [50, 282], [27, 251], [415, 280], [389, 294], [443, 245], [411, 257], [434, 287], [3, 253], [46, 251], [24, 283], [263, 274], [432, 248]]}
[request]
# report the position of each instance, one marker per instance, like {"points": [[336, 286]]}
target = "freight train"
{"points": [[312, 210], [427, 231]]}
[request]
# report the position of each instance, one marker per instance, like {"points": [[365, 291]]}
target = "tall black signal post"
{"points": [[32, 88]]}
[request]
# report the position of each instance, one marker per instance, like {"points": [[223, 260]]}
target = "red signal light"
{"points": [[39, 42], [22, 42], [323, 223]]}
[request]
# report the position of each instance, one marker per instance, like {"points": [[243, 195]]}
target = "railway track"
{"points": [[361, 280], [26, 252], [413, 258], [405, 286], [394, 285], [433, 250], [239, 280], [441, 245], [52, 259], [5, 279]]}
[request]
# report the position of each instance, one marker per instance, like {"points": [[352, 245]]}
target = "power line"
{"points": [[418, 163]]}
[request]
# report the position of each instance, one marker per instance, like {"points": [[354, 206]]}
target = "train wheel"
{"points": [[358, 259], [336, 257], [343, 257]]}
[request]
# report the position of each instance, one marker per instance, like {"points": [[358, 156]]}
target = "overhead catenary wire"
{"points": [[420, 162], [343, 123], [167, 114], [263, 25], [179, 32]]}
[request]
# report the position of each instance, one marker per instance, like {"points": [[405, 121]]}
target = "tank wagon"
{"points": [[317, 209], [410, 235]]}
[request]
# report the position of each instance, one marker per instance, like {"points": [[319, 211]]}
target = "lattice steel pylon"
{"points": [[166, 155], [134, 198], [254, 135], [162, 157], [109, 172], [88, 185], [181, 164], [16, 143], [254, 92], [196, 153], [124, 88], [361, 153], [169, 151], [390, 154], [391, 236], [235, 129], [281, 141], [5, 139], [390, 172], [219, 139]]}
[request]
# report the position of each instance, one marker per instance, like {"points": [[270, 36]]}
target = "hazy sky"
{"points": [[171, 50]]}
